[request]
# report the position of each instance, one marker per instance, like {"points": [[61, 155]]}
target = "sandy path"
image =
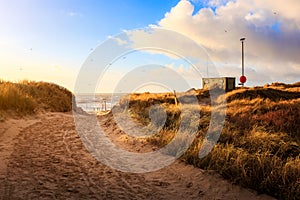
{"points": [[9, 130], [49, 161]]}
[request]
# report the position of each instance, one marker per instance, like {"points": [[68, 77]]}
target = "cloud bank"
{"points": [[271, 29]]}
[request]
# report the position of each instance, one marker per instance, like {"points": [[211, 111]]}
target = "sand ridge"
{"points": [[47, 160]]}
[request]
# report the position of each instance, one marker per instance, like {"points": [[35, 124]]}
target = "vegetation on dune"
{"points": [[28, 97], [259, 146]]}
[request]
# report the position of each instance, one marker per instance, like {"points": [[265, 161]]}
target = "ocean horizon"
{"points": [[92, 103]]}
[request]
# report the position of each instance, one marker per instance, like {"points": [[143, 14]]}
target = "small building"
{"points": [[226, 83]]}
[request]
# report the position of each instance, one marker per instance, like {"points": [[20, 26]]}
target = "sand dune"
{"points": [[44, 158]]}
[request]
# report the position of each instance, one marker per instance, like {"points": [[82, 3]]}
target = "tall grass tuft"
{"points": [[28, 97]]}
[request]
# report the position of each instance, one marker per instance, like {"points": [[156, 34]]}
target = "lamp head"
{"points": [[242, 39]]}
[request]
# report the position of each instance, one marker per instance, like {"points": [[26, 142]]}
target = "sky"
{"points": [[50, 40]]}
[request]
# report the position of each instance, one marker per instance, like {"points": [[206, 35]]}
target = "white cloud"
{"points": [[119, 40], [188, 73], [74, 14], [271, 53], [217, 3]]}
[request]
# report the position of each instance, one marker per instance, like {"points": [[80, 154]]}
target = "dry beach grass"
{"points": [[44, 157], [259, 145]]}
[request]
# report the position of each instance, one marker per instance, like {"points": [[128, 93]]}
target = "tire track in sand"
{"points": [[50, 162]]}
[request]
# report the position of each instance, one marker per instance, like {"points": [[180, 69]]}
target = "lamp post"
{"points": [[243, 78]]}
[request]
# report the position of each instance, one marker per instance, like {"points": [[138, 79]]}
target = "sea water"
{"points": [[93, 103]]}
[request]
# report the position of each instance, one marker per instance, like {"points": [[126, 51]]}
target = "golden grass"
{"points": [[28, 97], [259, 145]]}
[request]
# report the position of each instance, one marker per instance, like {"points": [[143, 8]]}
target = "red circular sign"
{"points": [[243, 79]]}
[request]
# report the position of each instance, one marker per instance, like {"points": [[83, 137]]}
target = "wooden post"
{"points": [[175, 98]]}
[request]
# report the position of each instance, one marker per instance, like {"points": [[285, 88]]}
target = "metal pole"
{"points": [[243, 71], [243, 58]]}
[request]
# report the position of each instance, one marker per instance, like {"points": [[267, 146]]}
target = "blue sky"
{"points": [[63, 24], [72, 28], [61, 33], [49, 40]]}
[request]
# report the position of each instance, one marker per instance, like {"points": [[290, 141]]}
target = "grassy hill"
{"points": [[28, 97], [259, 146]]}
